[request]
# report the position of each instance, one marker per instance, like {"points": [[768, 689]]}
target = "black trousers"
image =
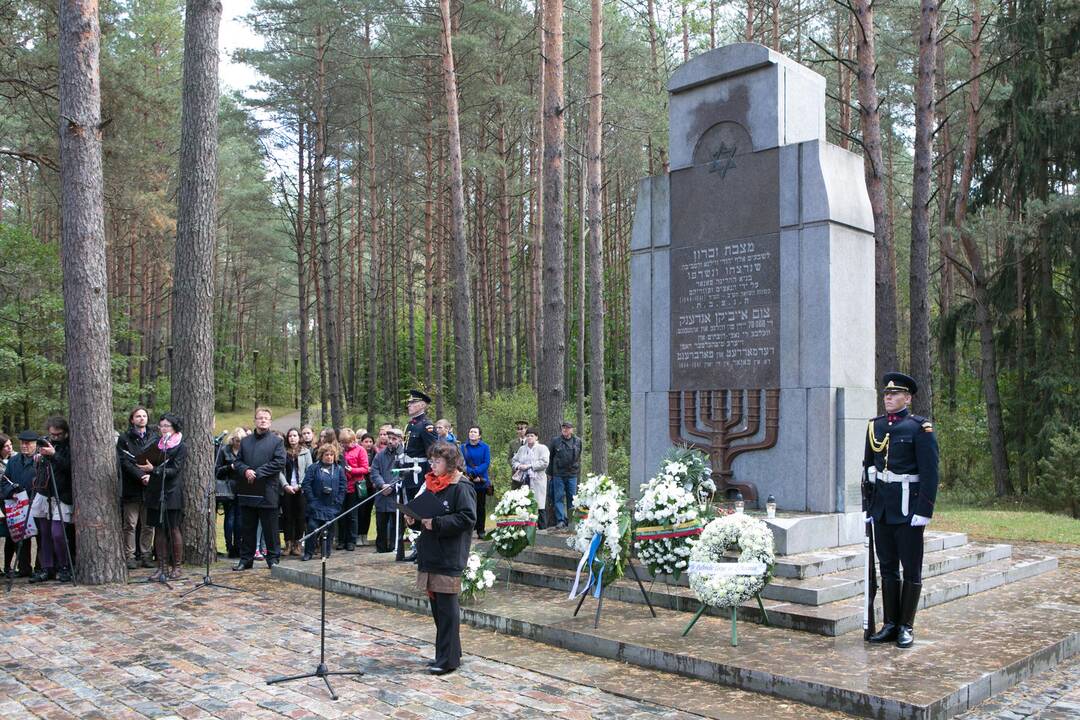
{"points": [[23, 560], [900, 545], [384, 531], [346, 534], [293, 507], [481, 510], [444, 608], [250, 517]]}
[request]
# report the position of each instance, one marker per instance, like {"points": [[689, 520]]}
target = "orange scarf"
{"points": [[436, 483]]}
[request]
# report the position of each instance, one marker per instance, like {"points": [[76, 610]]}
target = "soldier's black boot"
{"points": [[909, 603], [890, 601]]}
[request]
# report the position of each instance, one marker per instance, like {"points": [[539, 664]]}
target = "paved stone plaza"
{"points": [[141, 651]]}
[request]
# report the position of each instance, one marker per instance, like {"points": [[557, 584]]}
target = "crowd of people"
{"points": [[269, 484]]}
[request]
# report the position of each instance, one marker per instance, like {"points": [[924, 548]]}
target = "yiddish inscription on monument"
{"points": [[725, 314]]}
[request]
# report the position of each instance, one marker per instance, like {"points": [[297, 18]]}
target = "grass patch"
{"points": [[1005, 519]]}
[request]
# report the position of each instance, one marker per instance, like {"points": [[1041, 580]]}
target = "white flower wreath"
{"points": [[600, 509], [668, 522], [722, 584]]}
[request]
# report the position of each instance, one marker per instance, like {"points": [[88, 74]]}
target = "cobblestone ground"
{"points": [[142, 651], [1054, 695]]}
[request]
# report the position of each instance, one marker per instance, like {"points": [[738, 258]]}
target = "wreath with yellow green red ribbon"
{"points": [[668, 523]]}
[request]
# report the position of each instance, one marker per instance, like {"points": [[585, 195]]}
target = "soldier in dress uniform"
{"points": [[901, 463], [420, 436]]}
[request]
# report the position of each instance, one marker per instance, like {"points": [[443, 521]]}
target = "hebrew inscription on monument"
{"points": [[725, 265]]}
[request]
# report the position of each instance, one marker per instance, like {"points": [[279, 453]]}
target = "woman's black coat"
{"points": [[171, 473], [444, 550]]}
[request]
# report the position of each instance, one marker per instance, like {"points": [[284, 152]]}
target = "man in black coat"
{"points": [[259, 481], [901, 463], [133, 481], [563, 470]]}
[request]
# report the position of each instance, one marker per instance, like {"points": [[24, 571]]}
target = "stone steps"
{"points": [[829, 617], [965, 651]]}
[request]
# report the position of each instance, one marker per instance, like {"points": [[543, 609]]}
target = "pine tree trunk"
{"points": [[461, 302], [192, 365], [301, 284], [919, 274], [100, 557], [330, 314], [870, 123], [975, 274], [593, 157], [551, 388]]}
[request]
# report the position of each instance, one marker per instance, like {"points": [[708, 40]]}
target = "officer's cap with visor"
{"points": [[895, 382], [419, 395]]}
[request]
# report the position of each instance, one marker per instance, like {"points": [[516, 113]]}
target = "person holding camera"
{"points": [[165, 497], [324, 489], [52, 505], [129, 446]]}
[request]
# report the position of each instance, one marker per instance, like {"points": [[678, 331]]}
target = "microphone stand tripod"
{"points": [[321, 671], [207, 581]]}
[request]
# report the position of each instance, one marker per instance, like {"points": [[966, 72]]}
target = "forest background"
{"points": [[345, 141]]}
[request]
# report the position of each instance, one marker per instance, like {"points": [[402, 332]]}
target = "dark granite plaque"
{"points": [[725, 315], [725, 267]]}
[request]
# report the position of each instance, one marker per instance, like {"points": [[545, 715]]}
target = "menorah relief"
{"points": [[715, 421]]}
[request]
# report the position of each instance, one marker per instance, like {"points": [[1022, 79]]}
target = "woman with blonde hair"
{"points": [[356, 472], [226, 489]]}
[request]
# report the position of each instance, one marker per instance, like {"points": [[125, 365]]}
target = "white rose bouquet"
{"points": [[479, 575]]}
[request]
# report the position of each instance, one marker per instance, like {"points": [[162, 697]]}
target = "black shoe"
{"points": [[890, 601], [431, 663], [350, 547], [64, 576], [242, 566], [339, 546], [437, 670], [132, 564], [271, 563], [146, 562], [909, 603], [41, 576], [305, 557]]}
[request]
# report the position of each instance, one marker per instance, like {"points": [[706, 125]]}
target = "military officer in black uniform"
{"points": [[420, 436], [901, 463]]}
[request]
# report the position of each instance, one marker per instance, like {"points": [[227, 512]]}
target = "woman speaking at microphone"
{"points": [[443, 550], [165, 497]]}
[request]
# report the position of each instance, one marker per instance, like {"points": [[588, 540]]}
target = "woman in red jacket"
{"points": [[356, 472]]}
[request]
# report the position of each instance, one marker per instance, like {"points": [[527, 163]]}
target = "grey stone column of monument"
{"points": [[752, 266]]}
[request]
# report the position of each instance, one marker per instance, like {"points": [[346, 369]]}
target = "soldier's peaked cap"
{"points": [[419, 395], [899, 382]]}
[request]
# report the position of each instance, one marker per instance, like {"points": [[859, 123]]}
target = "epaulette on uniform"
{"points": [[927, 426]]}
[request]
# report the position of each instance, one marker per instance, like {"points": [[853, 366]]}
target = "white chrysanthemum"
{"points": [[755, 542]]}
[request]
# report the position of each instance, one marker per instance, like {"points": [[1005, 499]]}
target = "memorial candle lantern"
{"points": [[739, 504], [770, 507]]}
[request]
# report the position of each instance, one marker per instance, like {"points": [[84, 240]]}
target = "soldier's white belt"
{"points": [[905, 489]]}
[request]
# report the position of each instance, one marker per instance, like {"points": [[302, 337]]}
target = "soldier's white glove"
{"points": [[919, 521], [869, 519]]}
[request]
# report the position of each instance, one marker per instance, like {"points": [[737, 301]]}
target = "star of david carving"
{"points": [[723, 159]]}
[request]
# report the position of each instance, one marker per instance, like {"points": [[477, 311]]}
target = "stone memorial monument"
{"points": [[752, 296]]}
